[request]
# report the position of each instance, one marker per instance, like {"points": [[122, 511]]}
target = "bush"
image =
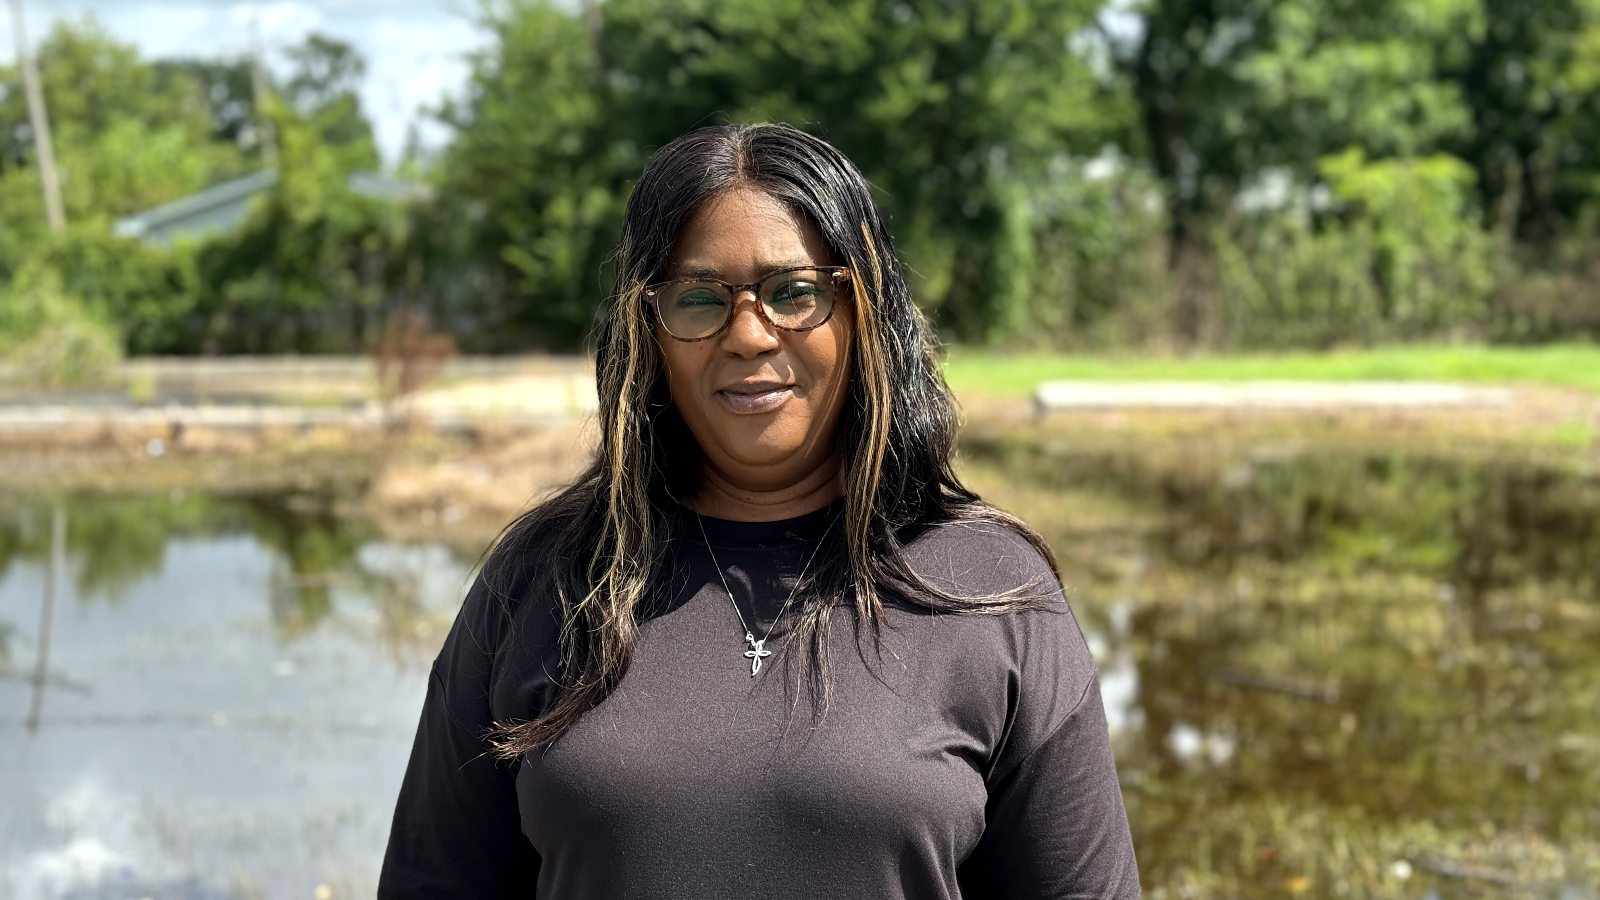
{"points": [[1088, 245], [1552, 296], [150, 292], [1386, 250], [49, 337]]}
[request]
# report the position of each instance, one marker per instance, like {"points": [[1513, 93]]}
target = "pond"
{"points": [[1340, 674], [231, 689]]}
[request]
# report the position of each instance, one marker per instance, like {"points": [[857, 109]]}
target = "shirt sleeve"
{"points": [[457, 831], [1056, 827]]}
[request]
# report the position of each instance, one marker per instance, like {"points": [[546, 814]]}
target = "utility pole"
{"points": [[267, 134], [54, 577], [39, 120], [595, 21]]}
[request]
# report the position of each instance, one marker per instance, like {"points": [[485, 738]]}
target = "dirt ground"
{"points": [[465, 483]]}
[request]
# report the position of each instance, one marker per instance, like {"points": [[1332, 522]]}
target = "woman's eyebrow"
{"points": [[702, 270], [691, 270]]}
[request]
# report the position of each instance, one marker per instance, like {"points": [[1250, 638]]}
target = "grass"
{"points": [[978, 372]]}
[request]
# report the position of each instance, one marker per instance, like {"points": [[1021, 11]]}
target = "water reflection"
{"points": [[115, 543], [231, 688], [1328, 675], [1338, 674]]}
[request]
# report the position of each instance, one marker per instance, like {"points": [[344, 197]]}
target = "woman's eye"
{"points": [[698, 299], [795, 293]]}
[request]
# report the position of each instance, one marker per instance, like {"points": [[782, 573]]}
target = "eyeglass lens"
{"points": [[792, 300]]}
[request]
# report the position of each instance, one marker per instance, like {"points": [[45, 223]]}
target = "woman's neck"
{"points": [[721, 498]]}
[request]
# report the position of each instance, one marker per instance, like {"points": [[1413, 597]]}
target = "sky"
{"points": [[415, 49]]}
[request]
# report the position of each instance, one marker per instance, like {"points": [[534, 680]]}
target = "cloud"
{"points": [[415, 49], [93, 837], [276, 22], [413, 62]]}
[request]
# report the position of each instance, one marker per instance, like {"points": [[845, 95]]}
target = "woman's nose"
{"points": [[749, 333]]}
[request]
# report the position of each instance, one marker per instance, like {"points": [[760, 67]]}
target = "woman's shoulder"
{"points": [[991, 553], [1031, 655], [500, 655], [1021, 615], [536, 546], [513, 600]]}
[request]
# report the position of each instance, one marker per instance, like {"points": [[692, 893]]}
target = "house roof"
{"points": [[223, 206], [199, 208]]}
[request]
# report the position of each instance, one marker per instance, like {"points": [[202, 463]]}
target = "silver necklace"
{"points": [[758, 649]]}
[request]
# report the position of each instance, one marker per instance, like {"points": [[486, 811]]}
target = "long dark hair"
{"points": [[601, 542]]}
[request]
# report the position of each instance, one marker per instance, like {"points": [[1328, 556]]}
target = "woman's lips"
{"points": [[755, 399]]}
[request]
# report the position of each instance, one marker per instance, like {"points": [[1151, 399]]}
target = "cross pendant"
{"points": [[756, 653]]}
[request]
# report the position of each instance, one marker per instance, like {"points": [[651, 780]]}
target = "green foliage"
{"points": [[307, 272], [127, 137], [951, 109], [1088, 244], [1532, 80], [1552, 295], [121, 144], [148, 293], [1058, 173], [977, 374], [979, 131], [322, 92], [539, 170], [309, 269], [1438, 122], [1230, 89], [1431, 261], [49, 337], [229, 91], [1402, 258]]}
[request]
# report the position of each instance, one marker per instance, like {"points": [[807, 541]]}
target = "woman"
{"points": [[767, 645]]}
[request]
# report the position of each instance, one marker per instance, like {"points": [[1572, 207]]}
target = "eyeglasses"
{"points": [[797, 299]]}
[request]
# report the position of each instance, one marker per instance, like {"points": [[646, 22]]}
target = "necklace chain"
{"points": [[758, 651]]}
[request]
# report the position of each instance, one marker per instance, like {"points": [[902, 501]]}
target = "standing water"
{"points": [[229, 697], [1336, 673], [1341, 674]]}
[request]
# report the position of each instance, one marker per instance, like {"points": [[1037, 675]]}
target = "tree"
{"points": [[1531, 79], [322, 91], [123, 145], [1230, 89], [316, 266], [950, 108], [127, 138], [311, 269], [227, 88]]}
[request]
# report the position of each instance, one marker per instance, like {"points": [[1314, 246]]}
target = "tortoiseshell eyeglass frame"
{"points": [[652, 295]]}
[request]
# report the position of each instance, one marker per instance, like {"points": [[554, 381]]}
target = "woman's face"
{"points": [[762, 402]]}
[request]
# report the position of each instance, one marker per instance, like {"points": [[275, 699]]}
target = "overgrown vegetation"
{"points": [[1074, 174], [311, 267]]}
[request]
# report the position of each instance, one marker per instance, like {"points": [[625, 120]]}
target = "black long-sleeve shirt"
{"points": [[963, 756]]}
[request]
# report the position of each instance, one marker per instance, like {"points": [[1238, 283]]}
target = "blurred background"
{"points": [[1276, 317]]}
